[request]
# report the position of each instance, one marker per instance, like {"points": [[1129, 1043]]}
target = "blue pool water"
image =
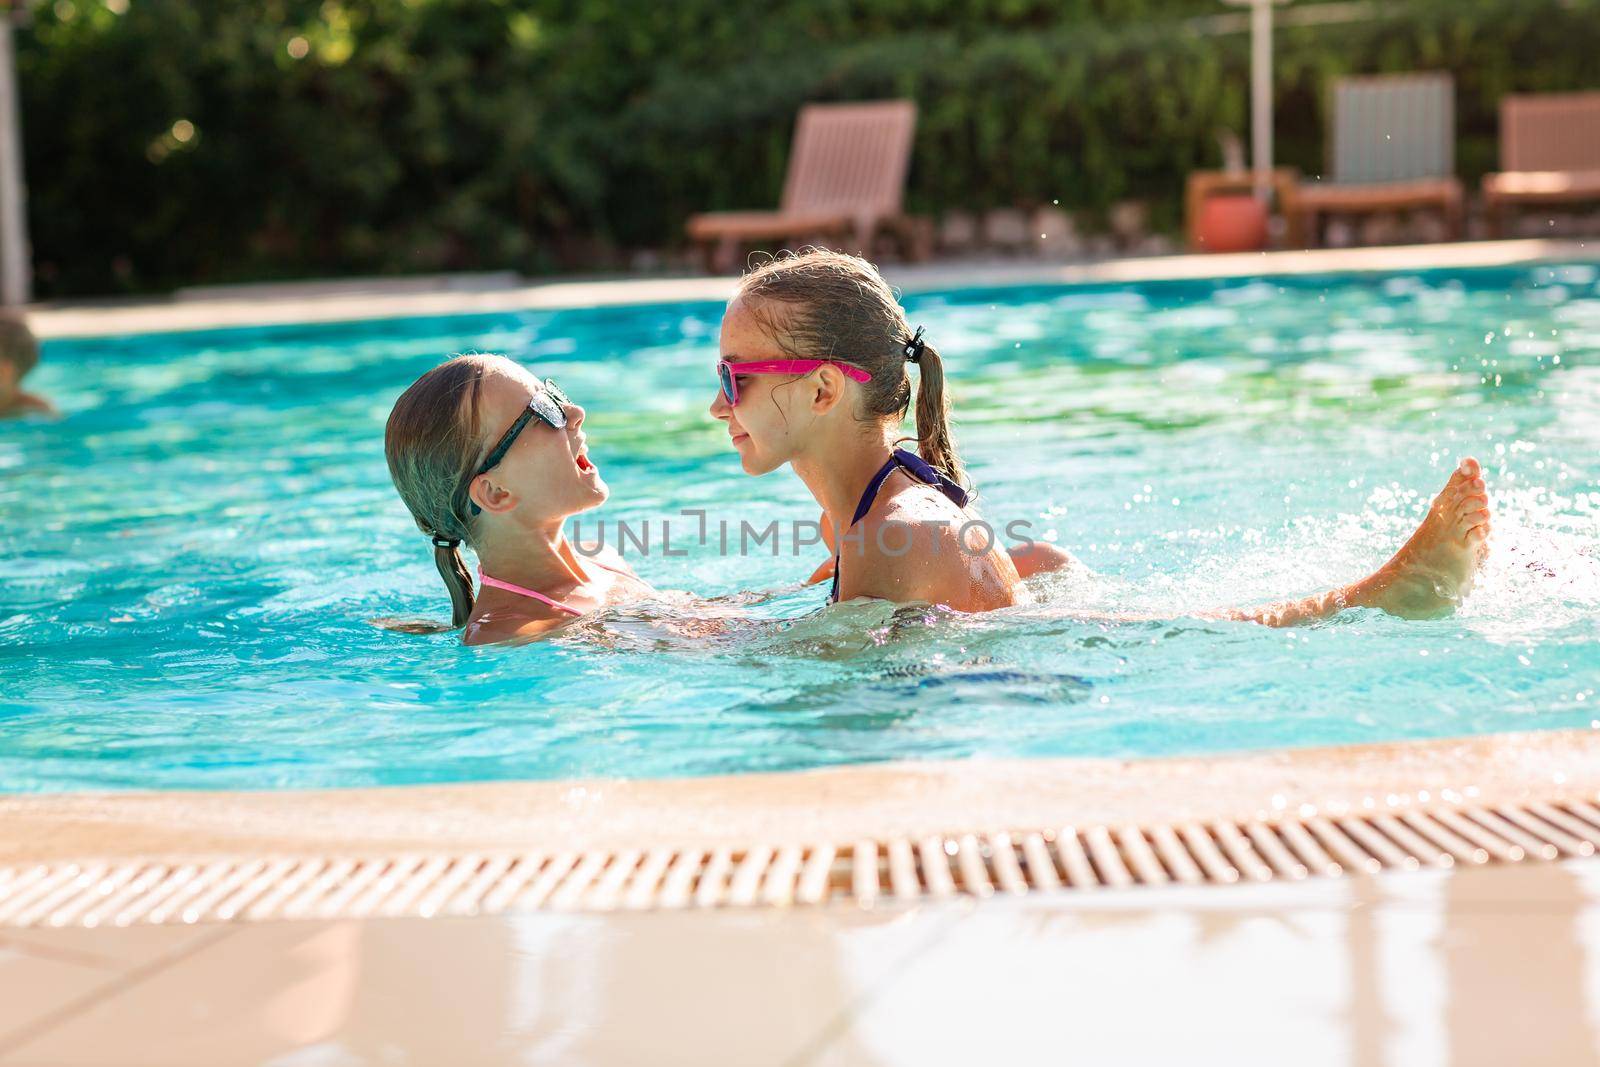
{"points": [[191, 557]]}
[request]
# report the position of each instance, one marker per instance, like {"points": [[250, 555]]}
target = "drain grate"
{"points": [[88, 894]]}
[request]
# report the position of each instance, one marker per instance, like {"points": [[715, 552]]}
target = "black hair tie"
{"points": [[913, 348], [446, 542]]}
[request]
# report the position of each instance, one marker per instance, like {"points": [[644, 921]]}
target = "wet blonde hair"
{"points": [[432, 443], [837, 306]]}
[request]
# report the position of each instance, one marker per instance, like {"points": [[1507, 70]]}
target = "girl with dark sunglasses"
{"points": [[485, 454]]}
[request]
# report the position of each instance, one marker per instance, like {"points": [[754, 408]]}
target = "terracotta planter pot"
{"points": [[1232, 224]]}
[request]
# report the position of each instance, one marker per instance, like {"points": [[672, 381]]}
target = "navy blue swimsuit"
{"points": [[918, 468]]}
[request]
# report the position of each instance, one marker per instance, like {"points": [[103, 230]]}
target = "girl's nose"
{"points": [[720, 408], [574, 414]]}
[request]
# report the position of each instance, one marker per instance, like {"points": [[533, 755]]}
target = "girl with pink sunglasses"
{"points": [[816, 372]]}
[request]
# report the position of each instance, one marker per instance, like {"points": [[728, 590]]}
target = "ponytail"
{"points": [[447, 557], [934, 442], [432, 445]]}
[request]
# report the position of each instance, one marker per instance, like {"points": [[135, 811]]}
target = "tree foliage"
{"points": [[176, 141]]}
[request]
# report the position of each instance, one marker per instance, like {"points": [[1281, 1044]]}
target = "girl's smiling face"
{"points": [[773, 411]]}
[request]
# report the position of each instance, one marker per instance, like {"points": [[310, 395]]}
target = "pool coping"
{"points": [[835, 803], [400, 298], [862, 833]]}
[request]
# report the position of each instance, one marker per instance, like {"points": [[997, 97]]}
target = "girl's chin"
{"points": [[750, 460], [756, 467], [594, 493]]}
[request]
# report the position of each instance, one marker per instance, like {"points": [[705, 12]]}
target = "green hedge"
{"points": [[173, 142]]}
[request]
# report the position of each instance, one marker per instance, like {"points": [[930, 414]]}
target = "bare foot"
{"points": [[1433, 572]]}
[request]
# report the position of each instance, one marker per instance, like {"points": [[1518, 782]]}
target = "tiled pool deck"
{"points": [[601, 922], [1482, 967]]}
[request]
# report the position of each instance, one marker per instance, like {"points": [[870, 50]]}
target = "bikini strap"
{"points": [[918, 468], [495, 583], [928, 474], [870, 493]]}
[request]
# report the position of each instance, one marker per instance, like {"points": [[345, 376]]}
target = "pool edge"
{"points": [[299, 307], [904, 830]]}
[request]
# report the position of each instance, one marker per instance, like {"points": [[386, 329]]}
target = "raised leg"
{"points": [[1430, 575]]}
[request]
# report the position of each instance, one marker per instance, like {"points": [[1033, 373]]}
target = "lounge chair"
{"points": [[1392, 148], [1550, 152], [845, 183]]}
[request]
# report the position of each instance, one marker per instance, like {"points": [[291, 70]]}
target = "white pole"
{"points": [[1261, 95], [16, 276]]}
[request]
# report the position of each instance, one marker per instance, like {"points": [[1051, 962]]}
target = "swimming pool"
{"points": [[192, 557]]}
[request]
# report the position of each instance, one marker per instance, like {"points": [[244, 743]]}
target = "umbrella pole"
{"points": [[1261, 96], [16, 281]]}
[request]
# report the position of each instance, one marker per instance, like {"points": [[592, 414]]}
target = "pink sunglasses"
{"points": [[730, 385]]}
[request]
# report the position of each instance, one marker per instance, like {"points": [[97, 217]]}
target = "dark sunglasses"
{"points": [[549, 406]]}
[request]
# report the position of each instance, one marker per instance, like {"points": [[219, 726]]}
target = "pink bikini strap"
{"points": [[535, 594]]}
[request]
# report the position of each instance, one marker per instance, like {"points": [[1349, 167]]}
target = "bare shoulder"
{"points": [[901, 562], [509, 629], [918, 549]]}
